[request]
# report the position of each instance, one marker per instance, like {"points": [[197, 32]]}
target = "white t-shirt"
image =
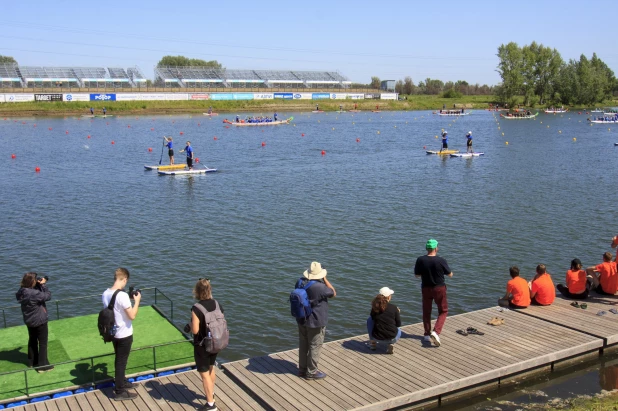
{"points": [[123, 322]]}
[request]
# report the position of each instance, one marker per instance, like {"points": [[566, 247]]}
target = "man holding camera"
{"points": [[124, 314]]}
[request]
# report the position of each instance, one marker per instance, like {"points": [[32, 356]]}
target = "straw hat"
{"points": [[315, 272]]}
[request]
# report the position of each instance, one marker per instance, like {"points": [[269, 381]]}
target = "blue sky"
{"points": [[447, 40]]}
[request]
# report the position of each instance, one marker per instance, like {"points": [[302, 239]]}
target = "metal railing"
{"points": [[93, 381], [158, 295]]}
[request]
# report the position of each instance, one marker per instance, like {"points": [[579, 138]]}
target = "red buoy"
{"points": [[34, 125], [150, 149], [37, 169], [128, 125], [13, 156], [358, 140], [263, 144], [88, 135], [49, 129], [323, 152], [215, 138], [197, 160], [198, 124], [424, 148], [302, 135], [67, 132], [182, 132], [113, 142]]}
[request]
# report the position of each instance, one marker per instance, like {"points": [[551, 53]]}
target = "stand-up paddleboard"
{"points": [[354, 111], [166, 167], [317, 111], [340, 111], [107, 115], [376, 111], [443, 152], [467, 155], [210, 114], [183, 172], [88, 115]]}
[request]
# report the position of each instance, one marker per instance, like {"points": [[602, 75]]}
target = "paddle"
{"points": [[162, 148]]}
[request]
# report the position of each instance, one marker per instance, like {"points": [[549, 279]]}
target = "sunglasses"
{"points": [[202, 279]]}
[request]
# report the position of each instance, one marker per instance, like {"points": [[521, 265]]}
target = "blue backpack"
{"points": [[299, 300]]}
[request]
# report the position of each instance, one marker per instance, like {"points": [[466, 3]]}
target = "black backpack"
{"points": [[107, 320]]}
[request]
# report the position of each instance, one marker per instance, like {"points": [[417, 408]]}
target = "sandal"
{"points": [[575, 304], [462, 332], [613, 311], [472, 330], [583, 306], [496, 321], [601, 313]]}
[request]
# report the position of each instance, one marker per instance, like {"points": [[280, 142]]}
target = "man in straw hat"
{"points": [[431, 269], [311, 330]]}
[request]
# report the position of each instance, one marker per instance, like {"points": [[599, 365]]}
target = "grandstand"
{"points": [[15, 76], [210, 77]]}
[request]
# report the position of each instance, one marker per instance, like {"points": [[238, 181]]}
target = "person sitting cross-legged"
{"points": [[517, 291], [604, 276], [384, 321], [542, 290], [577, 285]]}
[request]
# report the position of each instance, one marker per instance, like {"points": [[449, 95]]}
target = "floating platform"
{"points": [[467, 155], [443, 152], [210, 114], [317, 111], [166, 167], [186, 172]]}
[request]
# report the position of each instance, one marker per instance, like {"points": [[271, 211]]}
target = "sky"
{"points": [[390, 39]]}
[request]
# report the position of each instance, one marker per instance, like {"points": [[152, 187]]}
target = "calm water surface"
{"points": [[364, 209]]}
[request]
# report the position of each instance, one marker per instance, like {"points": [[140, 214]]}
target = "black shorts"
{"points": [[444, 145], [189, 162], [203, 360], [170, 152], [469, 143]]}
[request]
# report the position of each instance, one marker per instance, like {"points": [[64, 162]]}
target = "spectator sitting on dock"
{"points": [[577, 285], [517, 291], [606, 281], [542, 290], [384, 321], [311, 330]]}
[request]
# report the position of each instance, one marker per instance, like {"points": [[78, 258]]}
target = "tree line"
{"points": [[541, 76], [431, 86]]}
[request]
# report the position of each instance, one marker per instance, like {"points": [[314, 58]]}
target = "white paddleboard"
{"points": [[467, 154], [183, 172]]}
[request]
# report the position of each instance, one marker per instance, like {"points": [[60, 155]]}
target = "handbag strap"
{"points": [[113, 300]]}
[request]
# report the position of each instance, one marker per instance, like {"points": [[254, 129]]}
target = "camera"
{"points": [[134, 291], [187, 328], [39, 279]]}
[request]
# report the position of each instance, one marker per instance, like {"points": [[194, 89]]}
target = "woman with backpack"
{"points": [[384, 321], [205, 348], [32, 296]]}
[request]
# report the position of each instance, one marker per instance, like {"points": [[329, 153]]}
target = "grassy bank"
{"points": [[414, 102], [266, 106]]}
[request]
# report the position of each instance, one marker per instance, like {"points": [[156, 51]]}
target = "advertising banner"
{"points": [[370, 96], [263, 96], [303, 96], [151, 96], [18, 98], [232, 96], [338, 96], [388, 96], [320, 96], [76, 97], [2, 98], [285, 96], [199, 96], [48, 97], [102, 97], [355, 96]]}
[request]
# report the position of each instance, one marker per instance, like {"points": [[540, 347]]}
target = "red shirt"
{"points": [[518, 287], [544, 289], [576, 281], [608, 277]]}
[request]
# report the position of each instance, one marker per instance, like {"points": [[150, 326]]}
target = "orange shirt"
{"points": [[608, 277], [544, 289], [518, 287], [576, 281]]}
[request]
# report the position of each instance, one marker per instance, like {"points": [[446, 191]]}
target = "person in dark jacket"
{"points": [[384, 321], [32, 296], [311, 330]]}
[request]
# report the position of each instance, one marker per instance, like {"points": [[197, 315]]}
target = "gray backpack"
{"points": [[218, 336]]}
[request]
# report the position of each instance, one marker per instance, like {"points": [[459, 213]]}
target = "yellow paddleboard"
{"points": [[168, 167], [443, 152]]}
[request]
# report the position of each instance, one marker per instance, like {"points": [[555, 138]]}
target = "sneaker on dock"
{"points": [[207, 407], [427, 339], [435, 338]]}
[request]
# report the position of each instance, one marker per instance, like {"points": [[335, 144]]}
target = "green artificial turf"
{"points": [[77, 338]]}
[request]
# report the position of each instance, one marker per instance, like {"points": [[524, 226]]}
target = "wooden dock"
{"points": [[361, 379]]}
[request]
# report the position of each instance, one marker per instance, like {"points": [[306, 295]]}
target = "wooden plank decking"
{"points": [[587, 321], [362, 379], [359, 378], [182, 391]]}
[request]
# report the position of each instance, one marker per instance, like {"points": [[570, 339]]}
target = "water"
{"points": [[364, 210]]}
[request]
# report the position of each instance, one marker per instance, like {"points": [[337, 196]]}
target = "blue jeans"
{"points": [[371, 337]]}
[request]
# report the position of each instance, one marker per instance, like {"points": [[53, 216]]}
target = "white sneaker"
{"points": [[435, 338], [426, 338]]}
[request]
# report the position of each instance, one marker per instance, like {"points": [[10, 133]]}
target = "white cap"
{"points": [[469, 132], [386, 292]]}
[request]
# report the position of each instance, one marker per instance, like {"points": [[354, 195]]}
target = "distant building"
{"points": [[387, 85]]}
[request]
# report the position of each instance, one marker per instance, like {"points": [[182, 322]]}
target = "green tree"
{"points": [[546, 71], [182, 61], [510, 68], [408, 85], [375, 82], [399, 87], [7, 60]]}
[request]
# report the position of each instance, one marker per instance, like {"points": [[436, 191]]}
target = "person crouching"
{"points": [[384, 321]]}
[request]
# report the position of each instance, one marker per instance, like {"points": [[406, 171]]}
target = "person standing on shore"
{"points": [[32, 295], [124, 314], [311, 330], [189, 150], [170, 149], [431, 269]]}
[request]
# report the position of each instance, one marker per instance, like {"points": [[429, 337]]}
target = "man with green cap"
{"points": [[431, 269]]}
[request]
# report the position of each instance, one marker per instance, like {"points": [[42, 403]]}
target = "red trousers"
{"points": [[437, 294]]}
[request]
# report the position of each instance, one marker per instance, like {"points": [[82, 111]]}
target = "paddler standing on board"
{"points": [[91, 111], [355, 105], [317, 107], [469, 142], [444, 141], [341, 107], [189, 150], [104, 111], [210, 110], [275, 117], [170, 149]]}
